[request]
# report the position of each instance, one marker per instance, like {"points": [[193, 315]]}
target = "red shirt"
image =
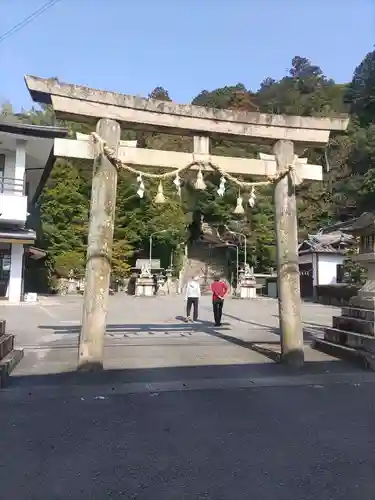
{"points": [[219, 289]]}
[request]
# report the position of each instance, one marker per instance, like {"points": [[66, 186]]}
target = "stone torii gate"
{"points": [[288, 135]]}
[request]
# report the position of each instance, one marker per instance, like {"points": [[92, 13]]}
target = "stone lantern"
{"points": [[145, 283], [364, 229], [247, 283]]}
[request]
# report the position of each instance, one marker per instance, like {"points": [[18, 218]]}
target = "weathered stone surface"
{"points": [[41, 90], [6, 345], [8, 363], [139, 157], [349, 339], [355, 312], [356, 325], [77, 102]]}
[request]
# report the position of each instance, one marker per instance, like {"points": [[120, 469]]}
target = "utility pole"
{"points": [[287, 259], [245, 249], [99, 251]]}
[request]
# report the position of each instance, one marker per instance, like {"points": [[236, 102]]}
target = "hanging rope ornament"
{"points": [[290, 170], [221, 189], [177, 183], [239, 207], [141, 187], [199, 183], [252, 197], [295, 178], [160, 198]]}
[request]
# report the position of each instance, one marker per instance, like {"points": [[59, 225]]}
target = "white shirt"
{"points": [[192, 290]]}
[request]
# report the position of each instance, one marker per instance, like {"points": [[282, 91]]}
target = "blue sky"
{"points": [[132, 46]]}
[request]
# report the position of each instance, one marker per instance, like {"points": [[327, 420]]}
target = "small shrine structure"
{"points": [[320, 258]]}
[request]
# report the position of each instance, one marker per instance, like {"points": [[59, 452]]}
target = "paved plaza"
{"points": [[182, 411], [149, 334]]}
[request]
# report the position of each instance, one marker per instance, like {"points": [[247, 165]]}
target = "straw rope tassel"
{"points": [[239, 207], [160, 198]]}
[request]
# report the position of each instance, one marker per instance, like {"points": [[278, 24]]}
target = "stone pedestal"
{"points": [[144, 286], [355, 328], [366, 296], [248, 288], [9, 356]]}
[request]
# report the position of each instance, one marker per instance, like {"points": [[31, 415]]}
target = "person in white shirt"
{"points": [[192, 296]]}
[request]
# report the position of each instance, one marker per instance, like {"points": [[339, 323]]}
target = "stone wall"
{"points": [[206, 262], [336, 295]]}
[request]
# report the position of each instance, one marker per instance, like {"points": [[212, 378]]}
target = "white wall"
{"points": [[13, 204], [327, 268], [16, 272], [13, 208]]}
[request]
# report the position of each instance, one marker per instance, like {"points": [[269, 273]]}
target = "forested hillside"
{"points": [[347, 190]]}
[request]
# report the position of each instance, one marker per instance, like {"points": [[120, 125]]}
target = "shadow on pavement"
{"points": [[183, 373], [184, 329], [270, 348]]}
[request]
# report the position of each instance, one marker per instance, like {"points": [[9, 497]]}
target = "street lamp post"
{"points": [[150, 250], [237, 259], [245, 245]]}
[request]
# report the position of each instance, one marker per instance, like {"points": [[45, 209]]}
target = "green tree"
{"points": [[361, 91], [64, 214]]}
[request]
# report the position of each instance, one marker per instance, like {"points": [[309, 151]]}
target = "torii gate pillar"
{"points": [[99, 252], [290, 314]]}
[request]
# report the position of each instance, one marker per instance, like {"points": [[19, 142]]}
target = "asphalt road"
{"points": [[276, 443]]}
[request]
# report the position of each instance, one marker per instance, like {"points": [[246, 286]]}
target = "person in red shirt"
{"points": [[219, 290]]}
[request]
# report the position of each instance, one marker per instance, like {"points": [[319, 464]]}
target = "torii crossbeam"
{"points": [[113, 110]]}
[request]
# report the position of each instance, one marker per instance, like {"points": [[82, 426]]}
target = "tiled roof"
{"points": [[335, 242], [365, 220]]}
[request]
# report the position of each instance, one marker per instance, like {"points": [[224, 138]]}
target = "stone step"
{"points": [[8, 364], [350, 339], [355, 312], [366, 360], [6, 345], [357, 325]]}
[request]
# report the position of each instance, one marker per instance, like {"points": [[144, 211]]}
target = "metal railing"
{"points": [[11, 185]]}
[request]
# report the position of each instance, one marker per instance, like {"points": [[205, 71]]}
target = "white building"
{"points": [[321, 258], [26, 160]]}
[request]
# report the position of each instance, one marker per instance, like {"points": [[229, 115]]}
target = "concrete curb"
{"points": [[103, 391]]}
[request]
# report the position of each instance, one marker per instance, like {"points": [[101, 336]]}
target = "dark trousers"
{"points": [[218, 310], [192, 301]]}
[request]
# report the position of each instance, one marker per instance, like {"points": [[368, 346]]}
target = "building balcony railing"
{"points": [[9, 185], [13, 201]]}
